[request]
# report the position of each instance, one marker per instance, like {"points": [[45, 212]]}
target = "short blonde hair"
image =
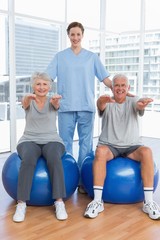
{"points": [[40, 75]]}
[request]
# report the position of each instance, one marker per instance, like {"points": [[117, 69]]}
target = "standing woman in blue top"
{"points": [[75, 69]]}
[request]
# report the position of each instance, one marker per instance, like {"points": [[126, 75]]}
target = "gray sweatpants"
{"points": [[29, 153]]}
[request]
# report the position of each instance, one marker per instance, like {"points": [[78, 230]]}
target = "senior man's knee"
{"points": [[145, 151], [102, 152]]}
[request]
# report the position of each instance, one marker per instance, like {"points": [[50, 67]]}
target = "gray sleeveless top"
{"points": [[40, 124]]}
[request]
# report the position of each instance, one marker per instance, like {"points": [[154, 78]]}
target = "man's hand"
{"points": [[103, 100], [143, 102]]}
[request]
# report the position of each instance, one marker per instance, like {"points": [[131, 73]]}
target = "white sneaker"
{"points": [[20, 212], [93, 209], [152, 209], [60, 210]]}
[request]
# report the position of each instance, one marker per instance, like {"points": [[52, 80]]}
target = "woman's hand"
{"points": [[55, 100]]}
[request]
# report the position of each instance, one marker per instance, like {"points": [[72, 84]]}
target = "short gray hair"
{"points": [[119, 75], [40, 75]]}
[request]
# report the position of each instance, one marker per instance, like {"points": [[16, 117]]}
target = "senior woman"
{"points": [[40, 137]]}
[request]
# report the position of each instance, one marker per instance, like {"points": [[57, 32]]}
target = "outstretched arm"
{"points": [[27, 100], [103, 100]]}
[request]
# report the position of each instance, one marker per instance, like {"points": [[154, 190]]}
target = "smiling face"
{"points": [[120, 88], [75, 35], [41, 87]]}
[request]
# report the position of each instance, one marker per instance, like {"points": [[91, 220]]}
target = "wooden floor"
{"points": [[117, 222]]}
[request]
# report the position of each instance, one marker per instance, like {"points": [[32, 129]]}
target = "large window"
{"points": [[4, 85], [125, 34], [33, 52], [122, 16], [87, 12], [133, 48], [151, 119], [4, 4], [47, 9]]}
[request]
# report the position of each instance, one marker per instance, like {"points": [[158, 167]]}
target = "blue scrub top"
{"points": [[76, 78]]}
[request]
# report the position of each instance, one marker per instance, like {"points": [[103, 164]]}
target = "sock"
{"points": [[58, 202], [148, 194], [22, 203], [98, 193]]}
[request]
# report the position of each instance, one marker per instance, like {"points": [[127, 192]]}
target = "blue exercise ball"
{"points": [[41, 192], [123, 183]]}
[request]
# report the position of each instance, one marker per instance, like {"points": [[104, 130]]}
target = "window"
{"points": [[47, 9], [33, 50]]}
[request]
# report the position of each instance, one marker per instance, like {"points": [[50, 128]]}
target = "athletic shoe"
{"points": [[20, 212], [60, 210], [93, 209], [152, 209]]}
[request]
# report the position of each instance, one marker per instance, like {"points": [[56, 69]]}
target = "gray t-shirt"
{"points": [[40, 124], [120, 124]]}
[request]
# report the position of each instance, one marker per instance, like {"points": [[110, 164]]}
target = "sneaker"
{"points": [[152, 209], [81, 189], [93, 209], [20, 212], [60, 210]]}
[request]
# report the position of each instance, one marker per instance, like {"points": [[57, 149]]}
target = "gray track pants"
{"points": [[29, 153]]}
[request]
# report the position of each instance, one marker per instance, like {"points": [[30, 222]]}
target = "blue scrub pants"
{"points": [[67, 122]]}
